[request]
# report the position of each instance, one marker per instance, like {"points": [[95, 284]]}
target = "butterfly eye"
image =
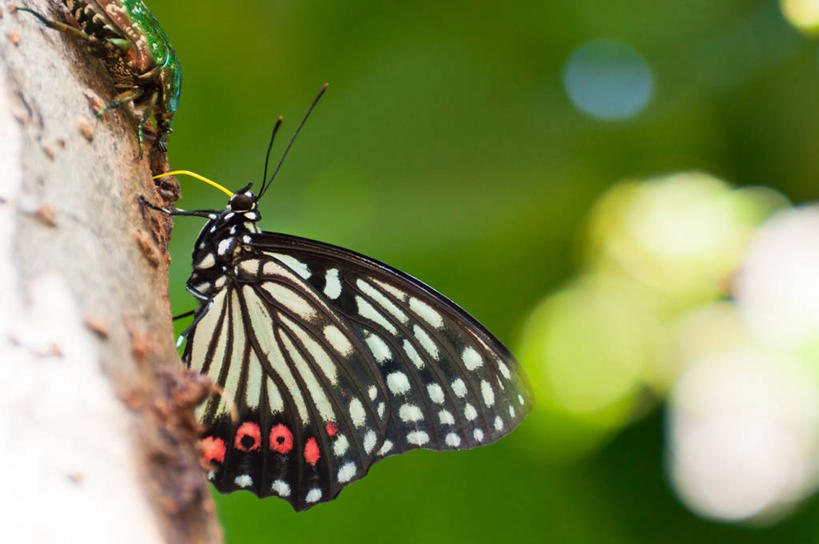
{"points": [[240, 202]]}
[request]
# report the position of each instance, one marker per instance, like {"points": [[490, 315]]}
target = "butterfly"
{"points": [[328, 360]]}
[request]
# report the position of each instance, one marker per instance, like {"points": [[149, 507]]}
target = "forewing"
{"points": [[451, 384]]}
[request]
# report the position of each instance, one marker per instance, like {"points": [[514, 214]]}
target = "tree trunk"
{"points": [[97, 437]]}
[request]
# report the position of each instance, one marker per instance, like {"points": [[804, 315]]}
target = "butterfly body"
{"points": [[224, 236]]}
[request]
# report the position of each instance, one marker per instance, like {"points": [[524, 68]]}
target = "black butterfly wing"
{"points": [[412, 370], [300, 381]]}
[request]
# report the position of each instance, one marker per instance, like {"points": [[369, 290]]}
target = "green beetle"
{"points": [[144, 67]]}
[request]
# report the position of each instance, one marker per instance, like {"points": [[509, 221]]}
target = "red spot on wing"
{"points": [[248, 429], [311, 452], [281, 439], [332, 429], [213, 449]]}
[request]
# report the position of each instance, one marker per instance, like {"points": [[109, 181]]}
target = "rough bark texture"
{"points": [[96, 429]]}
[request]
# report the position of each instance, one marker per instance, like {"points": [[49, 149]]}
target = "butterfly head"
{"points": [[242, 201]]}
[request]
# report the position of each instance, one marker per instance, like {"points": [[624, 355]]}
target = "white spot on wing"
{"points": [[369, 441], [340, 445], [281, 488], [243, 480], [419, 438], [472, 359], [398, 383], [391, 289], [224, 246], [207, 261], [452, 440], [337, 339], [346, 472], [459, 387], [294, 264], [436, 393], [478, 434], [409, 413], [488, 394], [385, 448], [446, 418], [409, 349], [357, 414], [367, 311], [378, 347], [504, 369], [511, 411], [372, 391], [381, 300], [332, 285], [498, 423], [426, 312], [314, 495], [381, 408], [469, 412], [425, 341]]}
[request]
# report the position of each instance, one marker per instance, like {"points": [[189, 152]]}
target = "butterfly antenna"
{"points": [[269, 148], [293, 139]]}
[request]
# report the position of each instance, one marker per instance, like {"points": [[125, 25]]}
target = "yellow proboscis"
{"points": [[197, 176]]}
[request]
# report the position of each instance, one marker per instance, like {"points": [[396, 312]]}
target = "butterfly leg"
{"points": [[207, 214], [183, 315], [206, 304]]}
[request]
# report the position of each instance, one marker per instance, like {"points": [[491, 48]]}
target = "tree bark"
{"points": [[97, 437]]}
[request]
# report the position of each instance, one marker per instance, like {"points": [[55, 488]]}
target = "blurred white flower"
{"points": [[743, 435], [777, 289]]}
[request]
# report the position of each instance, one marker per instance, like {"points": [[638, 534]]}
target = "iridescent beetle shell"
{"points": [[137, 52]]}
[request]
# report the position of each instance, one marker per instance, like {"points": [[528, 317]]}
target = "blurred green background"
{"points": [[468, 143]]}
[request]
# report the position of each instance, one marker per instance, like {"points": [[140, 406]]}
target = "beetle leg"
{"points": [[62, 27], [120, 100], [146, 113], [148, 109], [150, 74], [120, 43]]}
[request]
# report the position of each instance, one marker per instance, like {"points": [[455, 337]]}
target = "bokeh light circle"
{"points": [[777, 289], [608, 80], [743, 434], [802, 14], [681, 235], [588, 347]]}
